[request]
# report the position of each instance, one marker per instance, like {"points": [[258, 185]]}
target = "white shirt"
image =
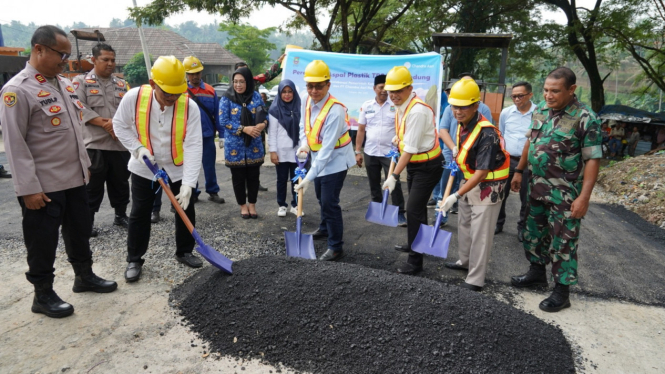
{"points": [[420, 132], [379, 121], [513, 126], [124, 126], [280, 142]]}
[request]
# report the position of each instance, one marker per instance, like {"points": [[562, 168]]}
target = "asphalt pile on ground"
{"points": [[342, 318], [638, 184]]}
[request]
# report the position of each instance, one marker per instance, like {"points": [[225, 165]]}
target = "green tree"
{"points": [[135, 71], [250, 44]]}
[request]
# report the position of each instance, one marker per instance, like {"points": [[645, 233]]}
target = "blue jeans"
{"points": [[615, 145], [328, 189], [209, 157], [285, 172]]}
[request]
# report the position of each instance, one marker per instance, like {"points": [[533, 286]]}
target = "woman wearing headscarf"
{"points": [[243, 148], [284, 140]]}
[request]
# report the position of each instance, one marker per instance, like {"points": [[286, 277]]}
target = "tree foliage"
{"points": [[135, 71], [250, 44]]}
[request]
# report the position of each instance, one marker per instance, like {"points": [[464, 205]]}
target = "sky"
{"points": [[48, 11]]}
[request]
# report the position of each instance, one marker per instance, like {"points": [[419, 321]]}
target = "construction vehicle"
{"points": [[79, 64]]}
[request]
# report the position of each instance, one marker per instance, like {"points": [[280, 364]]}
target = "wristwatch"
{"points": [[519, 171], [359, 152], [457, 195], [396, 176]]}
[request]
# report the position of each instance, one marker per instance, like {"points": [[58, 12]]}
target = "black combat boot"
{"points": [[121, 216], [534, 277], [46, 301], [86, 280], [558, 299]]}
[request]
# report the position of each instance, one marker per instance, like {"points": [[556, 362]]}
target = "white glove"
{"points": [[389, 184], [184, 196], [143, 151], [445, 205], [395, 140], [455, 151], [302, 152], [302, 185]]}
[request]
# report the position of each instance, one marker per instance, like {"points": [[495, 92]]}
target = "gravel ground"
{"points": [[343, 318]]}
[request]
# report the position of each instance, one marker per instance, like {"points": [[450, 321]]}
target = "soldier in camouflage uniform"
{"points": [[563, 152]]}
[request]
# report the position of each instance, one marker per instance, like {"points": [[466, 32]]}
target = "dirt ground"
{"points": [[135, 330]]}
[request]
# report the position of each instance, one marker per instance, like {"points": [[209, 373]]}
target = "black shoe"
{"points": [[431, 203], [216, 199], [154, 217], [535, 277], [401, 220], [94, 233], [133, 271], [471, 287], [558, 299], [121, 221], [453, 210], [402, 248], [261, 188], [46, 301], [409, 269], [498, 229], [4, 173], [455, 266], [86, 280], [195, 197], [331, 255], [190, 260], [318, 235], [520, 235]]}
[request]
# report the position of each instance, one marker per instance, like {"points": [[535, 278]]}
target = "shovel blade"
{"points": [[215, 258], [382, 213], [432, 241], [299, 245]]}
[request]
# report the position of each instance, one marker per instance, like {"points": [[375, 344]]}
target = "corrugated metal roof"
{"points": [[160, 42]]}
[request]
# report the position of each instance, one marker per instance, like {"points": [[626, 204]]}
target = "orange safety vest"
{"points": [[498, 174], [400, 129], [313, 132], [178, 125]]}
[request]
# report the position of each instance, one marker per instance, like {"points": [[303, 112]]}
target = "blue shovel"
{"points": [[210, 254], [432, 240], [297, 243], [382, 213]]}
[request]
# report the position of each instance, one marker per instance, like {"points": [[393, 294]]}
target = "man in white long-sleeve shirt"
{"points": [[150, 119]]}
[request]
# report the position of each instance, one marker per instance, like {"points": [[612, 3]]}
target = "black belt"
{"points": [[516, 157]]}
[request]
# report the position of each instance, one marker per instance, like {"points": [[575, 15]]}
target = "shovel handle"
{"points": [[300, 198], [391, 169], [169, 193], [449, 186]]}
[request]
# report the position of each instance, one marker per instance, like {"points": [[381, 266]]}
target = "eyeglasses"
{"points": [[461, 108], [516, 97], [318, 87], [239, 82], [62, 54], [169, 94]]}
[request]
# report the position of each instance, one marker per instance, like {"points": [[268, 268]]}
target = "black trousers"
{"points": [[514, 161], [374, 165], [246, 183], [108, 167], [138, 233], [69, 209], [420, 181]]}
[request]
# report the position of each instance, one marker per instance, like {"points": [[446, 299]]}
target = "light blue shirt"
{"points": [[513, 126], [449, 123], [328, 160]]}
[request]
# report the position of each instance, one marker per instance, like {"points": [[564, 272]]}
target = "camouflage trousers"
{"points": [[551, 235]]}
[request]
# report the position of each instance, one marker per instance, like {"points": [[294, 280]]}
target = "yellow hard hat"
{"points": [[317, 71], [169, 74], [464, 92], [192, 64], [398, 78]]}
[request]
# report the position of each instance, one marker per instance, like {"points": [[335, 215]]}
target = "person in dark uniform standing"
{"points": [[420, 154], [41, 118], [100, 91]]}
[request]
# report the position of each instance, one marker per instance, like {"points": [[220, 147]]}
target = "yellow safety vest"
{"points": [[401, 130], [178, 125], [313, 132], [494, 175]]}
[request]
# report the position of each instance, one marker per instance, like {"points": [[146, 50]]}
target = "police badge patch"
{"points": [[9, 98]]}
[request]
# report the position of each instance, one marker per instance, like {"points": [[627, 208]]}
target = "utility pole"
{"points": [[146, 55]]}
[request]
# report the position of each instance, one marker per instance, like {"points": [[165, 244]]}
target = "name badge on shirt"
{"points": [[392, 108]]}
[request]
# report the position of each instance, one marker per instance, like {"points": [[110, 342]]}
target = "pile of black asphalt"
{"points": [[343, 318]]}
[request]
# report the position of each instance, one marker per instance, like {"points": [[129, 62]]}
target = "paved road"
{"points": [[616, 258]]}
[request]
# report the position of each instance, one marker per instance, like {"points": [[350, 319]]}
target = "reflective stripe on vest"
{"points": [[313, 132], [400, 129], [494, 175], [178, 125]]}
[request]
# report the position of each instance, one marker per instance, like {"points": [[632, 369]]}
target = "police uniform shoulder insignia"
{"points": [[55, 121], [43, 93], [120, 83], [76, 85], [54, 109], [79, 104], [90, 81], [40, 78], [9, 98], [94, 92], [69, 89]]}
